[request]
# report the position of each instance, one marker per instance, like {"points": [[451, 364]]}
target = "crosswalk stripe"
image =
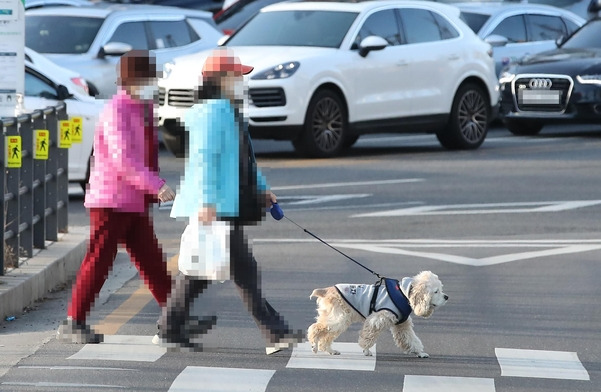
{"points": [[351, 358], [214, 379], [122, 348], [540, 364], [447, 384]]}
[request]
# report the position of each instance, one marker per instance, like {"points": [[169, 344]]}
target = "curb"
{"points": [[48, 269]]}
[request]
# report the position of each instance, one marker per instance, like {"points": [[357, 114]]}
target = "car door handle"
{"points": [[454, 57], [402, 63]]}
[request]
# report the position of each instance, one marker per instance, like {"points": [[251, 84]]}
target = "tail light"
{"points": [[81, 82]]}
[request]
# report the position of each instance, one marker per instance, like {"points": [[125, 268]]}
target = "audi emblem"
{"points": [[543, 84]]}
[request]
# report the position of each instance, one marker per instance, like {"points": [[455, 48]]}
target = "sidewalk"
{"points": [[47, 269]]}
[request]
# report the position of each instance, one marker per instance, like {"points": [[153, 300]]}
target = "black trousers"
{"points": [[245, 274]]}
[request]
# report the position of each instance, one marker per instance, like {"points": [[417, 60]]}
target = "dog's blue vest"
{"points": [[369, 298]]}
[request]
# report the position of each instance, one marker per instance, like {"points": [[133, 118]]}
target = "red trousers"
{"points": [[108, 229]]}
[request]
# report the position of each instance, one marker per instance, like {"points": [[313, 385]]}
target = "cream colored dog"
{"points": [[342, 305]]}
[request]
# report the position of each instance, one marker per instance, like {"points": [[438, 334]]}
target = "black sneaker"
{"points": [[71, 331], [287, 340]]}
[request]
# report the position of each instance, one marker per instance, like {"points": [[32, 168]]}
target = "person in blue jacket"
{"points": [[222, 182]]}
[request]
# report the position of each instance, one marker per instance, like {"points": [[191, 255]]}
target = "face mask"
{"points": [[146, 92]]}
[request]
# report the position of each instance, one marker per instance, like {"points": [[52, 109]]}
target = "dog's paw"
{"points": [[367, 353], [334, 352], [423, 355], [314, 348]]}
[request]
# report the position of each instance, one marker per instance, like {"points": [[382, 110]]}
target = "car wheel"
{"points": [[468, 123], [523, 128], [325, 128]]}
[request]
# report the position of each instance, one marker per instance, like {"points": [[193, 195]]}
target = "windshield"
{"points": [[239, 12], [473, 20], [586, 37], [60, 34], [295, 28]]}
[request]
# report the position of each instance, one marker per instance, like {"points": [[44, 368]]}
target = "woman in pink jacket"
{"points": [[124, 182]]}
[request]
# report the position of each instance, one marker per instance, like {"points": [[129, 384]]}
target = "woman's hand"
{"points": [[270, 199], [207, 215]]}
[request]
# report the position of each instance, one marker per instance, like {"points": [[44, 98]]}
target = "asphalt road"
{"points": [[512, 230]]}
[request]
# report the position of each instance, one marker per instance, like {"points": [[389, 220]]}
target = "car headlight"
{"points": [[589, 79], [167, 68], [506, 77], [280, 71]]}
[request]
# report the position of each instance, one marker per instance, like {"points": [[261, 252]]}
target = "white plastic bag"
{"points": [[204, 250]]}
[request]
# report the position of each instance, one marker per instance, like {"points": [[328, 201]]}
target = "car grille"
{"points": [[179, 98], [161, 96], [562, 84], [267, 97]]}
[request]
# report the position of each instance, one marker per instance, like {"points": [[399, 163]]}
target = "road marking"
{"points": [[122, 348], [399, 247], [79, 368], [215, 379], [351, 358], [541, 364], [317, 199], [447, 384], [484, 208], [131, 306], [346, 184]]}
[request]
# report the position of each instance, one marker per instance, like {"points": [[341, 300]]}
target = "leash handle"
{"points": [[325, 243]]}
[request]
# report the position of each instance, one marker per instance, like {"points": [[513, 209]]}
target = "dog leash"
{"points": [[278, 214]]}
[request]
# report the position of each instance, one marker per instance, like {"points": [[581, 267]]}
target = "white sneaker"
{"points": [[156, 339]]}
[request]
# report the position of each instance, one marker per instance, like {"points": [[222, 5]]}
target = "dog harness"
{"points": [[369, 298]]}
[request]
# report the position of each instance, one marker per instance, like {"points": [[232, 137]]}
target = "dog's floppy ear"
{"points": [[421, 295]]}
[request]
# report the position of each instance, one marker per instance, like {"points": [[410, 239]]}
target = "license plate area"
{"points": [[539, 97]]}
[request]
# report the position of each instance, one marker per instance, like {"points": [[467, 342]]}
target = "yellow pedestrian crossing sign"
{"points": [[41, 143], [13, 152], [76, 129], [65, 136]]}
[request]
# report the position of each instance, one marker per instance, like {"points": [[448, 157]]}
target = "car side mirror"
{"points": [[560, 40], [496, 40], [114, 49], [63, 93], [373, 42], [594, 6]]}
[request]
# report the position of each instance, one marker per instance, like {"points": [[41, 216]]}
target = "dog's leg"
{"points": [[406, 339], [315, 334], [373, 326]]}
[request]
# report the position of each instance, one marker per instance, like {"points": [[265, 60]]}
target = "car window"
{"points": [[60, 34], [419, 26], [132, 33], [170, 34], [571, 26], [37, 87], [295, 28], [545, 27], [447, 31], [239, 12], [474, 20], [383, 24], [513, 28], [585, 38]]}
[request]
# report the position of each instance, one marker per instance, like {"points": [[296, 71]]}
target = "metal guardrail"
{"points": [[36, 195]]}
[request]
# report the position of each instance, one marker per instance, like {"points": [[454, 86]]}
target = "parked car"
{"points": [[204, 5], [89, 40], [516, 29], [46, 84], [327, 72], [30, 4], [73, 80], [556, 86]]}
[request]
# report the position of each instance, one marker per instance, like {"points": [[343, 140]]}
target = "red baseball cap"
{"points": [[223, 60]]}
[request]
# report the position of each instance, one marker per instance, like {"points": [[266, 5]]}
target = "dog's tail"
{"points": [[319, 293]]}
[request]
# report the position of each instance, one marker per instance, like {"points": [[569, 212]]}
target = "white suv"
{"points": [[327, 72]]}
